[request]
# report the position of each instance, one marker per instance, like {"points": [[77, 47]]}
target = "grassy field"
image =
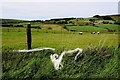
{"points": [[93, 63], [85, 28], [99, 58], [97, 27], [51, 27], [109, 26], [56, 39]]}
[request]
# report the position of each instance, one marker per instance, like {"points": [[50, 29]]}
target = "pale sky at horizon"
{"points": [[48, 10], [59, 0]]}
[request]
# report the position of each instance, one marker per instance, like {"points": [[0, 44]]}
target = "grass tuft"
{"points": [[93, 62]]}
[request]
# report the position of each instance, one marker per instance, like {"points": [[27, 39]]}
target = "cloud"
{"points": [[29, 10]]}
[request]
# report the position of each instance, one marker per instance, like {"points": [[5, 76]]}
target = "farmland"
{"points": [[98, 27], [38, 64], [99, 58], [56, 39]]}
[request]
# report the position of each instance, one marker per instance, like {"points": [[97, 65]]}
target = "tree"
{"points": [[92, 20], [107, 18], [97, 16]]}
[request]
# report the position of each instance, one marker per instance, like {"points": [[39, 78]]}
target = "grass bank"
{"points": [[94, 62]]}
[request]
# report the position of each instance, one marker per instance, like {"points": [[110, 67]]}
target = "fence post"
{"points": [[29, 38]]}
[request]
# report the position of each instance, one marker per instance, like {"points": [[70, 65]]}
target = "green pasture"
{"points": [[99, 58], [22, 23], [109, 26], [97, 27], [84, 19], [51, 27], [55, 39], [85, 28]]}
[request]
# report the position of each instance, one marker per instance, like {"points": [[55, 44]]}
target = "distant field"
{"points": [[85, 19], [110, 26], [55, 39], [51, 27], [97, 27], [85, 28]]}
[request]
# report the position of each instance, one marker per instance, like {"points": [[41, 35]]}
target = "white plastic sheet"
{"points": [[57, 59], [37, 49]]}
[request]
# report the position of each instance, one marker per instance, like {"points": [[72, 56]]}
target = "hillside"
{"points": [[107, 23], [115, 17], [4, 21], [51, 27]]}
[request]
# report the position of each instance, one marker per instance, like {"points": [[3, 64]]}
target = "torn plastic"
{"points": [[57, 59], [37, 49]]}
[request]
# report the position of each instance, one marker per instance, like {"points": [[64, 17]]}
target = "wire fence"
{"points": [[12, 30], [51, 38], [4, 29], [45, 37]]}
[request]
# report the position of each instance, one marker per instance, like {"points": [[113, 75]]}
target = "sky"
{"points": [[39, 10]]}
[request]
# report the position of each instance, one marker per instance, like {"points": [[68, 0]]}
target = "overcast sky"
{"points": [[46, 10]]}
